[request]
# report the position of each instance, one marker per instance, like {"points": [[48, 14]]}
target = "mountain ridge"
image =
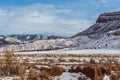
{"points": [[106, 22], [21, 38]]}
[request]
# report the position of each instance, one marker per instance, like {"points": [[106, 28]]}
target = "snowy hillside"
{"points": [[104, 34], [83, 42], [106, 22]]}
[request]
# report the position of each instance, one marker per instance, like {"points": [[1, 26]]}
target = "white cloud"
{"points": [[104, 1], [40, 18]]}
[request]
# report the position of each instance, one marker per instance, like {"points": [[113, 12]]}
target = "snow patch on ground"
{"points": [[85, 51], [72, 76]]}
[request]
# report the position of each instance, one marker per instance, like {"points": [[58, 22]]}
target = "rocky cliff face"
{"points": [[106, 22]]}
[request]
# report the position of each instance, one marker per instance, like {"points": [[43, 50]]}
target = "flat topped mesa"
{"points": [[105, 17], [106, 22]]}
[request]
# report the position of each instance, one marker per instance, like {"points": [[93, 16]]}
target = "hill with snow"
{"points": [[104, 34], [105, 23]]}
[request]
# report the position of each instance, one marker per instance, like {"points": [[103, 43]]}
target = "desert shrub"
{"points": [[21, 71], [11, 65], [9, 54], [32, 74], [45, 70], [88, 71], [105, 71], [56, 71], [44, 76], [92, 61]]}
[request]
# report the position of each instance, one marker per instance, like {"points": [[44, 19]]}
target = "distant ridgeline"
{"points": [[17, 39], [105, 33]]}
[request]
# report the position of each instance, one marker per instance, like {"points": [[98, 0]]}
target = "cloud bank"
{"points": [[42, 19]]}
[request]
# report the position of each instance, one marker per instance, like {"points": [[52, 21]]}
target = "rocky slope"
{"points": [[106, 22]]}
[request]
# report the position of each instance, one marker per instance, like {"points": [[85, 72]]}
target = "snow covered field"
{"points": [[76, 64], [85, 51]]}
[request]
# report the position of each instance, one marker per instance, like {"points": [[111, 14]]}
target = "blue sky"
{"points": [[58, 17]]}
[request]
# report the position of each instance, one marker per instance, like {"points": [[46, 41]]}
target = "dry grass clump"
{"points": [[11, 65], [56, 71]]}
